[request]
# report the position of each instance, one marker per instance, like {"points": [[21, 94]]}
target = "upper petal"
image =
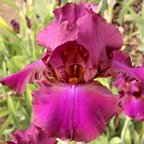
{"points": [[71, 12], [19, 80], [77, 22], [55, 34], [99, 38], [76, 112], [63, 29]]}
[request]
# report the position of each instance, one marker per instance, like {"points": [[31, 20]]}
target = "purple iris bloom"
{"points": [[131, 98], [69, 103], [130, 83]]}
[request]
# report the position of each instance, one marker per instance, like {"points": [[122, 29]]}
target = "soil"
{"points": [[8, 13]]}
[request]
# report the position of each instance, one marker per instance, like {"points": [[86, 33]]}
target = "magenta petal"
{"points": [[131, 97], [79, 112], [134, 107], [122, 64], [78, 22], [63, 29], [71, 12], [56, 34], [102, 38], [31, 136], [19, 80]]}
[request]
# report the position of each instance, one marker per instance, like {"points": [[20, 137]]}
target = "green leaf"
{"points": [[100, 140], [115, 140], [104, 81], [4, 112], [142, 140], [12, 110], [28, 99], [5, 25], [136, 138], [5, 124]]}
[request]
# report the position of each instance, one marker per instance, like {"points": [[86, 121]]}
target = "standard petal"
{"points": [[122, 64], [76, 112], [32, 135], [78, 22], [71, 12], [19, 80], [63, 29], [99, 38], [55, 34]]}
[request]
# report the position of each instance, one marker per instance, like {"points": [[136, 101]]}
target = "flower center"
{"points": [[74, 73], [67, 63], [73, 80]]}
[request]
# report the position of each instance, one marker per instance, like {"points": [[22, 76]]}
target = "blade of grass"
{"points": [[12, 111], [5, 124]]}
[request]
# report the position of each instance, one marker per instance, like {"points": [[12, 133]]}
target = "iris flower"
{"points": [[131, 98], [70, 104], [130, 83]]}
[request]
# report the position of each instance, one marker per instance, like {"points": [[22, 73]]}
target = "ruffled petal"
{"points": [[31, 136], [77, 22], [63, 29], [19, 80], [99, 38], [131, 97], [76, 112], [71, 12], [122, 64], [134, 107], [55, 34], [68, 54]]}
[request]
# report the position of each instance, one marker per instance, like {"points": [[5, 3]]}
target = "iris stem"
{"points": [[124, 130], [100, 6]]}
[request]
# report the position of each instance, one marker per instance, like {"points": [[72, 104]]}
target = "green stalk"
{"points": [[124, 130], [101, 5]]}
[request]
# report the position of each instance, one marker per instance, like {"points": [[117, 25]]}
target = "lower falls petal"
{"points": [[76, 112], [18, 81]]}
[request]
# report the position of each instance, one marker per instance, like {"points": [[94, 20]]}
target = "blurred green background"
{"points": [[18, 48]]}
